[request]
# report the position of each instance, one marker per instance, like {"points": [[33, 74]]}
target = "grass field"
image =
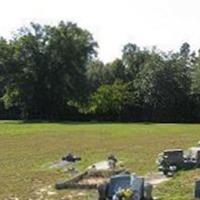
{"points": [[26, 149]]}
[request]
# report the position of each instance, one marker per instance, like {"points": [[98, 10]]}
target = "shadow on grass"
{"points": [[102, 122], [65, 122], [19, 122]]}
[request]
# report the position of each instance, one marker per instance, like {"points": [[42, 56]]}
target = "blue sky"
{"points": [[164, 23]]}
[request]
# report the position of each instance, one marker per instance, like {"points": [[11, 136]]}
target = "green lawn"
{"points": [[26, 149]]}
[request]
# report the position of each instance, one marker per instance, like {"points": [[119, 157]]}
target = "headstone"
{"points": [[126, 181], [148, 191], [197, 190]]}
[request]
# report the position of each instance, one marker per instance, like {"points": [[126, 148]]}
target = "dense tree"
{"points": [[110, 101], [195, 89], [196, 77], [115, 71], [52, 72], [99, 73], [134, 59], [6, 60], [163, 87], [95, 74], [49, 68]]}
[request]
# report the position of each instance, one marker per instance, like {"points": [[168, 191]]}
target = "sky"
{"points": [[113, 23]]}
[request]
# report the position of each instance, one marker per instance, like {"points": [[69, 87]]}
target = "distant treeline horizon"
{"points": [[53, 73]]}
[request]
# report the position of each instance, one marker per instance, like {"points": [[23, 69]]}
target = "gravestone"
{"points": [[197, 190]]}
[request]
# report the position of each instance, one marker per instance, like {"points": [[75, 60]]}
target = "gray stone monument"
{"points": [[197, 190]]}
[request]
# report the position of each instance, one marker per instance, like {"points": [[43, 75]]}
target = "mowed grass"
{"points": [[26, 149]]}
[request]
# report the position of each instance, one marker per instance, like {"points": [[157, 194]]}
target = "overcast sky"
{"points": [[113, 23]]}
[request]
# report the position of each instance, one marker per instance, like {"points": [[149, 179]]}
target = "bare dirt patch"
{"points": [[156, 178]]}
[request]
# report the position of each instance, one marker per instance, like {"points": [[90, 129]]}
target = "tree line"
{"points": [[53, 72]]}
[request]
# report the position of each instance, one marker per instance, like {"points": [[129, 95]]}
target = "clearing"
{"points": [[28, 149]]}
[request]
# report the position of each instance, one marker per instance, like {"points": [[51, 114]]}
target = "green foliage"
{"points": [[95, 74], [116, 71], [110, 99], [134, 59], [51, 72], [47, 68], [99, 73], [10, 97], [196, 77]]}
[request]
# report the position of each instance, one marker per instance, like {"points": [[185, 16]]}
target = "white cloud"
{"points": [[165, 23]]}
